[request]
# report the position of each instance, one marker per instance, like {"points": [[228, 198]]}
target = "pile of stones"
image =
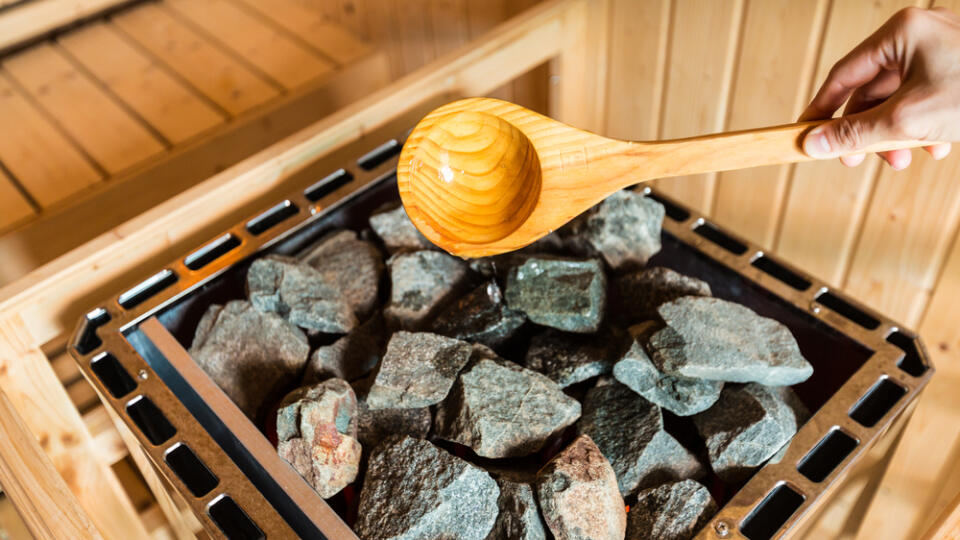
{"points": [[525, 396]]}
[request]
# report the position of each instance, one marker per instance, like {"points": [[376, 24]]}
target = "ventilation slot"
{"points": [[848, 310], [145, 290], [378, 155], [328, 185], [911, 362], [767, 518], [271, 217], [190, 470], [112, 375], [674, 211], [878, 401], [233, 521], [211, 252], [720, 238], [826, 455], [784, 274], [88, 339], [150, 420]]}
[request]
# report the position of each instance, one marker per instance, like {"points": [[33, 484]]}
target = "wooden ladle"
{"points": [[482, 176]]}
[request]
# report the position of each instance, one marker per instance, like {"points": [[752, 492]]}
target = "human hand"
{"points": [[902, 83]]}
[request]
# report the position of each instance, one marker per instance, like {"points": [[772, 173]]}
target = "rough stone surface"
{"points": [[675, 511], [414, 490], [350, 357], [396, 230], [519, 517], [300, 294], [747, 426], [351, 266], [421, 283], [624, 229], [572, 358], [710, 338], [565, 294], [480, 317], [317, 434], [640, 293], [375, 425], [629, 431], [500, 409], [578, 494], [417, 370], [680, 395], [250, 354]]}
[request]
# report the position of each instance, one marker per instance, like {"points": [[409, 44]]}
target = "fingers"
{"points": [[848, 134], [897, 159], [938, 151]]}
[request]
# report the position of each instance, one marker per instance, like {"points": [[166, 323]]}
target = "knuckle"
{"points": [[848, 133], [910, 17]]}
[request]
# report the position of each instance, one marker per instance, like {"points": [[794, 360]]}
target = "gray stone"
{"points": [[250, 354], [624, 229], [375, 425], [353, 267], [572, 358], [675, 511], [414, 490], [640, 293], [747, 426], [350, 357], [578, 494], [710, 338], [519, 517], [317, 435], [480, 317], [300, 294], [629, 431], [421, 283], [500, 409], [565, 294], [397, 232], [682, 396], [417, 370]]}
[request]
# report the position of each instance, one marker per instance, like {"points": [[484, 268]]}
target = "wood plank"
{"points": [[45, 162], [38, 17], [415, 31], [778, 52], [269, 50], [107, 444], [139, 80], [826, 200], [93, 119], [449, 21], [701, 56], [483, 16], [214, 73], [11, 524], [14, 207]]}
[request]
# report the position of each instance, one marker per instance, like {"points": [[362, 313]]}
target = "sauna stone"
{"points": [[480, 317], [682, 396], [572, 358], [375, 425], [565, 294], [747, 426], [300, 294], [640, 293], [421, 282], [353, 267], [414, 490], [417, 370], [252, 355], [396, 230], [350, 357], [578, 494], [519, 517], [630, 433], [500, 409], [710, 338], [624, 229], [317, 435], [674, 511]]}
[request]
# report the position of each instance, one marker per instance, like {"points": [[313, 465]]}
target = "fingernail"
{"points": [[816, 144]]}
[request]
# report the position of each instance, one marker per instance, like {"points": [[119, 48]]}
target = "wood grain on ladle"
{"points": [[482, 176]]}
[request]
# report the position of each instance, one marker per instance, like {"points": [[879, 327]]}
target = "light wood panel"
{"points": [[14, 208], [38, 17]]}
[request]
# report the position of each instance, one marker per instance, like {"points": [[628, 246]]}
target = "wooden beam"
{"points": [[32, 20]]}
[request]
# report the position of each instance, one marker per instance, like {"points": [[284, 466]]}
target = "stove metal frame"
{"points": [[101, 334]]}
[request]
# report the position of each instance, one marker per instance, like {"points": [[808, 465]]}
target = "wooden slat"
{"points": [[415, 33], [826, 201], [147, 88], [46, 164], [449, 22], [107, 444], [272, 52], [94, 120], [483, 16], [701, 58], [779, 48], [14, 208], [217, 75], [37, 17]]}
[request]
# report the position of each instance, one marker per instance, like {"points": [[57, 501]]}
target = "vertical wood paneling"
{"points": [[13, 206], [780, 41]]}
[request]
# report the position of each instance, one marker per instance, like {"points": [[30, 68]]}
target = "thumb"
{"points": [[847, 134]]}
